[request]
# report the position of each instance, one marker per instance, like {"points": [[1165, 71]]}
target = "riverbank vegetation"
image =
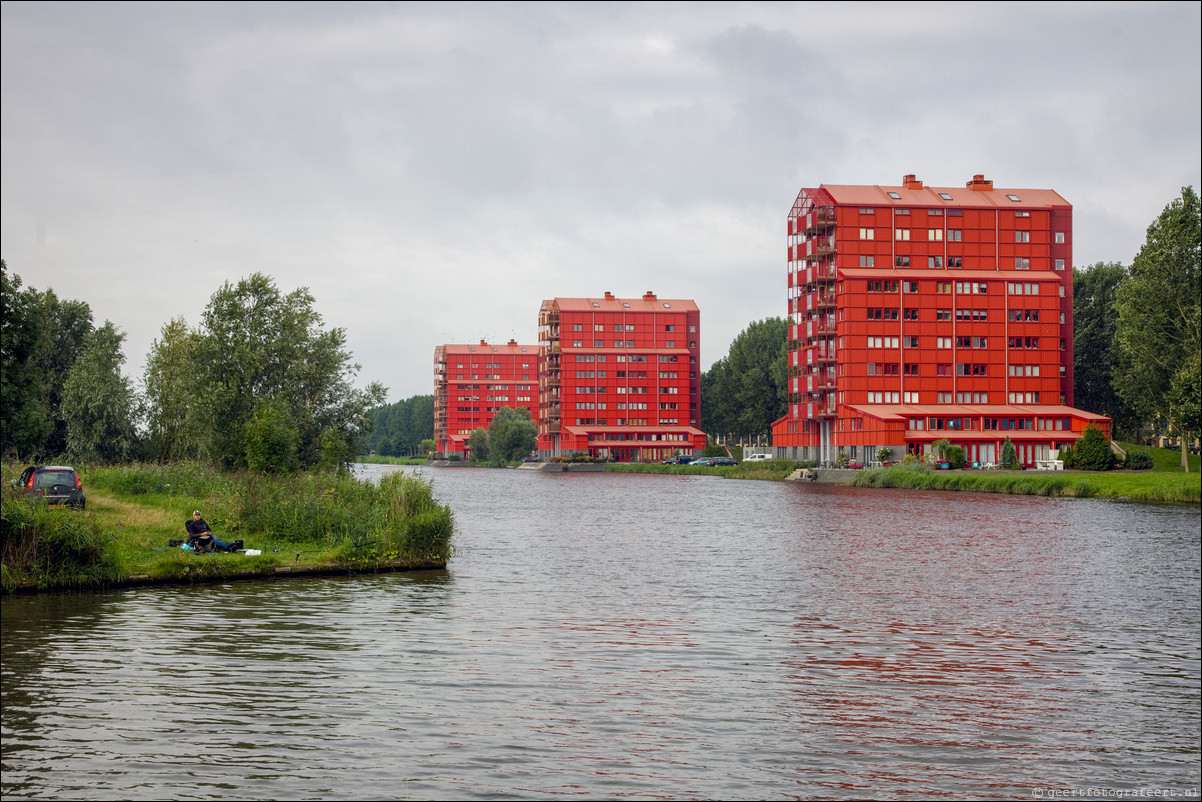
{"points": [[302, 520], [1164, 481], [772, 470]]}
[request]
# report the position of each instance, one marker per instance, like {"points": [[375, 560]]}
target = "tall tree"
{"points": [[256, 345], [1095, 357], [42, 338], [511, 435], [746, 391], [1158, 320], [99, 406], [24, 413], [174, 393]]}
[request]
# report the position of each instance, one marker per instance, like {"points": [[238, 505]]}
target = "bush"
{"points": [[1009, 455], [52, 546], [1092, 452], [1140, 461], [955, 456]]}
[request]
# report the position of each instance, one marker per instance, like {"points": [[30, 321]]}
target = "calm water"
{"points": [[602, 635]]}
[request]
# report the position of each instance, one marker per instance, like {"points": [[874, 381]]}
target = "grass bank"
{"points": [[774, 469], [1142, 486], [301, 522], [376, 459]]}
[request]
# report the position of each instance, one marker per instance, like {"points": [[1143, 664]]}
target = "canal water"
{"points": [[651, 637]]}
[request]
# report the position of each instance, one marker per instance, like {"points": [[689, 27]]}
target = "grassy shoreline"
{"points": [[304, 524], [1163, 483]]}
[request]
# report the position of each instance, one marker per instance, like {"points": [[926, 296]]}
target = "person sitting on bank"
{"points": [[200, 537]]}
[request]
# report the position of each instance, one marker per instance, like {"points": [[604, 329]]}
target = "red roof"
{"points": [[877, 195], [648, 303], [487, 348]]}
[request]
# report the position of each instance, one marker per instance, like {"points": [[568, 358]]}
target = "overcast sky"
{"points": [[433, 171]]}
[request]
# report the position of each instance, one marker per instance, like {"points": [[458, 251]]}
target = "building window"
{"points": [[865, 211], [1022, 236], [1014, 198], [902, 261], [955, 261], [934, 261], [955, 235], [943, 314], [901, 234], [1022, 263], [866, 260], [943, 342], [911, 286], [1059, 237], [935, 235], [867, 233]]}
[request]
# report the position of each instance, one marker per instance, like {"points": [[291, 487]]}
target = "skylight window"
{"points": [[1014, 198], [596, 304], [895, 196], [945, 196], [667, 306]]}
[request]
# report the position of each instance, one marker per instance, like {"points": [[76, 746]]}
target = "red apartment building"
{"points": [[471, 382], [619, 378], [921, 313]]}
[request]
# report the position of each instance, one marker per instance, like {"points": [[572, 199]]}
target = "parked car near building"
{"points": [[725, 461], [757, 457], [58, 484], [703, 461]]}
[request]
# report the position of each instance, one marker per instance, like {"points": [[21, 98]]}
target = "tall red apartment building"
{"points": [[471, 382], [619, 377], [921, 313]]}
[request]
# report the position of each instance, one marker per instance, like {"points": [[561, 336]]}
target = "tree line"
{"points": [[258, 384], [403, 429]]}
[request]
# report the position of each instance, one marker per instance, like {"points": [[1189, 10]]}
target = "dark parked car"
{"points": [[703, 461], [58, 484], [680, 459], [725, 461]]}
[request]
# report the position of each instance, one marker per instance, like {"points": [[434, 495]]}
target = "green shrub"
{"points": [[1092, 452], [955, 456], [1009, 455], [1140, 461], [52, 546]]}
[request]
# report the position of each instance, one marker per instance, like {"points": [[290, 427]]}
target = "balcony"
{"points": [[822, 217]]}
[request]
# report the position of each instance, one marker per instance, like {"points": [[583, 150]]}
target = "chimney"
{"points": [[513, 342], [979, 183], [910, 182], [484, 342], [650, 296], [609, 296]]}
